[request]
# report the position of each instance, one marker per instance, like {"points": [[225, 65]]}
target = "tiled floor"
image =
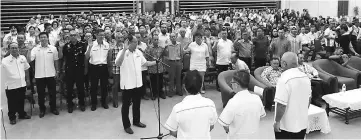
{"points": [[107, 124]]}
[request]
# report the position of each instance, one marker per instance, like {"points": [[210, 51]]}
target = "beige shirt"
{"points": [[13, 71]]}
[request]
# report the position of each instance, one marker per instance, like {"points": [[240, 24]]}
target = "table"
{"points": [[346, 104], [317, 120]]}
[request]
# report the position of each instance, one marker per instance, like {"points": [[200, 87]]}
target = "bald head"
{"points": [[289, 60]]}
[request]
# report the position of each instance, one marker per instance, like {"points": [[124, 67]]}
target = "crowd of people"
{"points": [[83, 49]]}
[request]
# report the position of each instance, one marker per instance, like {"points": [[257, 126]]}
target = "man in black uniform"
{"points": [[74, 54]]}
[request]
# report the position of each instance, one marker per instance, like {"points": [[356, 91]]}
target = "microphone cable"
{"points": [[2, 119]]}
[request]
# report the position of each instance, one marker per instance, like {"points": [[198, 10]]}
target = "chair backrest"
{"points": [[186, 61], [355, 62], [325, 65], [258, 72]]}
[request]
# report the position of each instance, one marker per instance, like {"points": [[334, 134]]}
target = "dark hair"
{"points": [[46, 25], [242, 78], [198, 34], [344, 27], [193, 82], [54, 23], [275, 58], [99, 31], [44, 33], [31, 27]]}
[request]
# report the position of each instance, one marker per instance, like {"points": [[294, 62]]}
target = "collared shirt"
{"points": [[44, 60], [143, 46], [304, 38], [261, 47], [243, 48], [157, 53], [293, 91], [99, 53], [174, 51], [308, 70], [332, 34], [192, 118], [183, 41], [242, 114], [14, 71], [75, 55], [271, 75], [224, 52], [280, 46], [131, 69], [145, 39], [295, 43], [240, 65], [163, 40], [199, 53], [116, 49]]}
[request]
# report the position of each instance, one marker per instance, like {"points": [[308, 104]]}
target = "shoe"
{"points": [[12, 122], [141, 125], [42, 114], [145, 98], [129, 130], [70, 109], [55, 112], [115, 105], [82, 108], [105, 106], [163, 96], [93, 108], [25, 117]]}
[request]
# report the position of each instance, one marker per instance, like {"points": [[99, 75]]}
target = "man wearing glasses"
{"points": [[73, 55]]}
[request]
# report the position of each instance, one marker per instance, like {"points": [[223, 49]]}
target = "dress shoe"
{"points": [[42, 114], [141, 125], [115, 105], [105, 106], [162, 96], [55, 112], [70, 109], [12, 122], [24, 117], [129, 130], [82, 108], [93, 108]]}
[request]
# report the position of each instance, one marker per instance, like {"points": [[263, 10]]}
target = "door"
{"points": [[342, 8]]}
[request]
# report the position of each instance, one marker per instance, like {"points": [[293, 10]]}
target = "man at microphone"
{"points": [[130, 61]]}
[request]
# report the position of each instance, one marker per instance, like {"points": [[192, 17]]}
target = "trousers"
{"points": [[290, 135], [75, 76], [16, 102], [131, 95], [41, 84], [98, 73], [175, 72]]}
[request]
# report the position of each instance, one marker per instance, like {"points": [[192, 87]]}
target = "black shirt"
{"points": [[74, 55], [345, 43]]}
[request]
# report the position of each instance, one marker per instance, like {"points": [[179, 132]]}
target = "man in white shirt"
{"points": [[241, 116], [295, 40], [238, 64], [223, 49], [130, 60], [46, 70], [16, 78], [10, 37], [100, 64], [195, 116], [293, 92], [143, 46], [164, 39], [330, 36]]}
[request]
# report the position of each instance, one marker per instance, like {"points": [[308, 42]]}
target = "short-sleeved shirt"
{"points": [[14, 71], [261, 47], [163, 40], [242, 114], [192, 118], [199, 53], [44, 60], [293, 90], [240, 65], [243, 48], [156, 52], [174, 51], [280, 46], [295, 43], [99, 53], [131, 69], [271, 75]]}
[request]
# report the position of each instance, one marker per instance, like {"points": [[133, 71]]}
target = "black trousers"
{"points": [[75, 76], [259, 62], [354, 42], [330, 50], [98, 73], [247, 60], [32, 76], [220, 68], [16, 102], [41, 84], [131, 95], [319, 88], [268, 97], [156, 88], [289, 135]]}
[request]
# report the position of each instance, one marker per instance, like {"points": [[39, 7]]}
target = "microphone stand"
{"points": [[160, 135]]}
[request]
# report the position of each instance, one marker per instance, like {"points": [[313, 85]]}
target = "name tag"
{"points": [[50, 52]]}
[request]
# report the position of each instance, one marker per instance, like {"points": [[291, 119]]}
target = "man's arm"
{"points": [[280, 111], [120, 57]]}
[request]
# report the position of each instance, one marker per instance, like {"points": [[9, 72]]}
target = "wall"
{"points": [[351, 5], [315, 7]]}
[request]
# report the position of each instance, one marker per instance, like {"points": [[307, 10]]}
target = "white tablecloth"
{"points": [[349, 99], [317, 120]]}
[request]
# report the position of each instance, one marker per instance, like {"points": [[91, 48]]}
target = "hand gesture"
{"points": [[276, 127], [126, 45], [90, 44]]}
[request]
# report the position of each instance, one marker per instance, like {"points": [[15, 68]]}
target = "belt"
{"points": [[174, 60], [99, 65]]}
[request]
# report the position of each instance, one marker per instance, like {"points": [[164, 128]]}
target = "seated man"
{"points": [[319, 87], [238, 64], [270, 75], [195, 116], [241, 116], [339, 57]]}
